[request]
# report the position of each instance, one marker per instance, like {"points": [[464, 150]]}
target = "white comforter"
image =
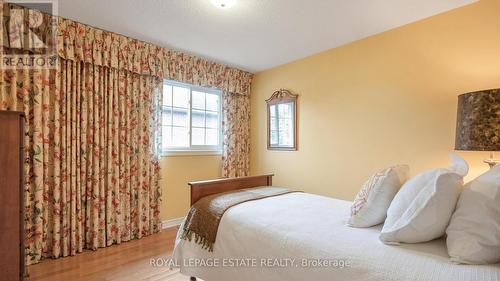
{"points": [[283, 238]]}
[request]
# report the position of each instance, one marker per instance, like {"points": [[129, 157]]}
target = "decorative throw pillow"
{"points": [[371, 203], [474, 230], [423, 207]]}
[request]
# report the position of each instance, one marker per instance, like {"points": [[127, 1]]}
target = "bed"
{"points": [[301, 236]]}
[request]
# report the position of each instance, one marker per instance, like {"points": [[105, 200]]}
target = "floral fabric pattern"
{"points": [[77, 41], [92, 132], [80, 42], [91, 169], [236, 135]]}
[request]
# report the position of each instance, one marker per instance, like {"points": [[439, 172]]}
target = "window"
{"points": [[191, 118], [282, 123]]}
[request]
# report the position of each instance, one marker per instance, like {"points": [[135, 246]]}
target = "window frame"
{"points": [[195, 149]]}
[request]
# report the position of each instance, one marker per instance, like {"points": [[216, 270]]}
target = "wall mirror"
{"points": [[282, 121]]}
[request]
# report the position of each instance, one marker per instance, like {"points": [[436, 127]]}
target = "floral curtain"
{"points": [[236, 135], [76, 41], [92, 130], [91, 167]]}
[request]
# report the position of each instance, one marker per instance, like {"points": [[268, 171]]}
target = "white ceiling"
{"points": [[254, 34]]}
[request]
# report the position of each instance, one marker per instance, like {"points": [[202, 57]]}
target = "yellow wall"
{"points": [[176, 172], [387, 99]]}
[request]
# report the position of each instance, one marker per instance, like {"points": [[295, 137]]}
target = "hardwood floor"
{"points": [[128, 261]]}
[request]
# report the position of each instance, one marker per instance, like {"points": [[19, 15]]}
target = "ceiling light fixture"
{"points": [[223, 4]]}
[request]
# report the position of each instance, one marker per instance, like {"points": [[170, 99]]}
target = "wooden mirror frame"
{"points": [[282, 96]]}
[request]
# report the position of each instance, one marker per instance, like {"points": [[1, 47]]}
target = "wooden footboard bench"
{"points": [[200, 189]]}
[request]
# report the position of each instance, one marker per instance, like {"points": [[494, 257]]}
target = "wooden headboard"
{"points": [[200, 189]]}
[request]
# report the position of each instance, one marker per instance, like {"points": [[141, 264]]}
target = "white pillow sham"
{"points": [[474, 230], [422, 209], [372, 201]]}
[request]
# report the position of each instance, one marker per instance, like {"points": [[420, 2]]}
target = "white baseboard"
{"points": [[171, 223]]}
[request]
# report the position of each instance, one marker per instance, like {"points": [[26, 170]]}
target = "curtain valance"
{"points": [[80, 42]]}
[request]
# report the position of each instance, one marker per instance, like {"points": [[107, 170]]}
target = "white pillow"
{"points": [[474, 231], [372, 201], [423, 207]]}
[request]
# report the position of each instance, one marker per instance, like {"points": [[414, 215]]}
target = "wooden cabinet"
{"points": [[11, 196]]}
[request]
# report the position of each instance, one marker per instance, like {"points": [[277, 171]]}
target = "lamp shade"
{"points": [[478, 121]]}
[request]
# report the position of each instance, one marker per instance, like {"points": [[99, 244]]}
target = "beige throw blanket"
{"points": [[204, 217]]}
